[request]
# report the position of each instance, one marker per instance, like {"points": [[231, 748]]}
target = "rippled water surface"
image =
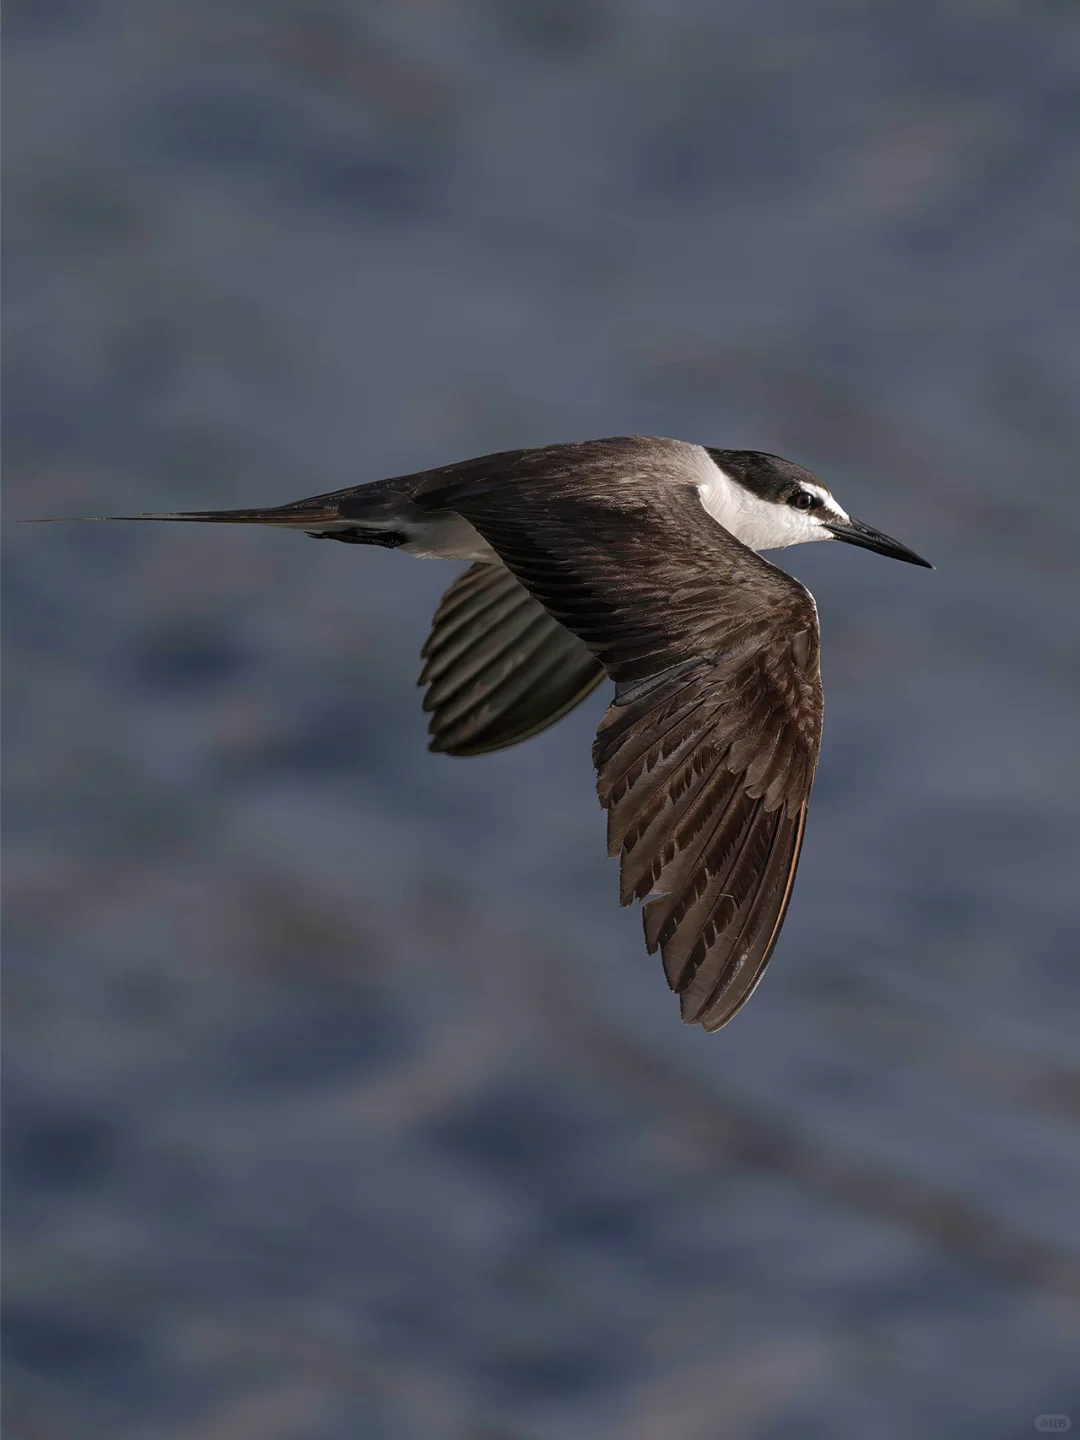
{"points": [[342, 1100]]}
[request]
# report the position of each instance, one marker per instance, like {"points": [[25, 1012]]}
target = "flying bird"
{"points": [[633, 558]]}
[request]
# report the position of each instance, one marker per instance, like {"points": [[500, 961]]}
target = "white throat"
{"points": [[761, 524]]}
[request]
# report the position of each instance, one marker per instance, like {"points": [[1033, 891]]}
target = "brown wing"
{"points": [[497, 667], [706, 782], [706, 759]]}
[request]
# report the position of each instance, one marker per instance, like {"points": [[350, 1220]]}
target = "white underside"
{"points": [[439, 537], [447, 537]]}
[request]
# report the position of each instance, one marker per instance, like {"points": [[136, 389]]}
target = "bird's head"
{"points": [[769, 503]]}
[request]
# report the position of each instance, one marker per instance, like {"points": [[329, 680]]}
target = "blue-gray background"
{"points": [[342, 1100]]}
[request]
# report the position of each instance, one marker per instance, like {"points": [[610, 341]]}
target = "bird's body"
{"points": [[633, 558]]}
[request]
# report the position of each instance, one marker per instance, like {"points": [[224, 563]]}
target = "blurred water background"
{"points": [[343, 1102]]}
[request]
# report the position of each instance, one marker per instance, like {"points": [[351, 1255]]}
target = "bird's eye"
{"points": [[805, 500]]}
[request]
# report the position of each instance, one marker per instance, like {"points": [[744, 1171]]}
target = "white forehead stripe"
{"points": [[830, 504]]}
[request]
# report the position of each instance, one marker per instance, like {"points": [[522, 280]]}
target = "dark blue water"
{"points": [[342, 1100]]}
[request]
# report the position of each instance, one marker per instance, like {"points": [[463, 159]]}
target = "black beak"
{"points": [[854, 532]]}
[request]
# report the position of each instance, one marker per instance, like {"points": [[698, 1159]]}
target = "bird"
{"points": [[635, 559]]}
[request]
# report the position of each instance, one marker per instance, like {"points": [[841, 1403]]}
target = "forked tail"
{"points": [[297, 516], [352, 515]]}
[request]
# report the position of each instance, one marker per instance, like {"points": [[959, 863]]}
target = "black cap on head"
{"points": [[768, 476]]}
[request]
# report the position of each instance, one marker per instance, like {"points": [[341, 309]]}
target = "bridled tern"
{"points": [[634, 558]]}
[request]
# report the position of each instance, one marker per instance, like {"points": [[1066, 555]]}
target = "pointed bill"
{"points": [[854, 532]]}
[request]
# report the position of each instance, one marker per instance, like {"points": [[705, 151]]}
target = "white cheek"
{"points": [[802, 527], [757, 523]]}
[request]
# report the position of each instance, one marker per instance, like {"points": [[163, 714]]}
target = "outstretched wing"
{"points": [[706, 782], [497, 667], [706, 759]]}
